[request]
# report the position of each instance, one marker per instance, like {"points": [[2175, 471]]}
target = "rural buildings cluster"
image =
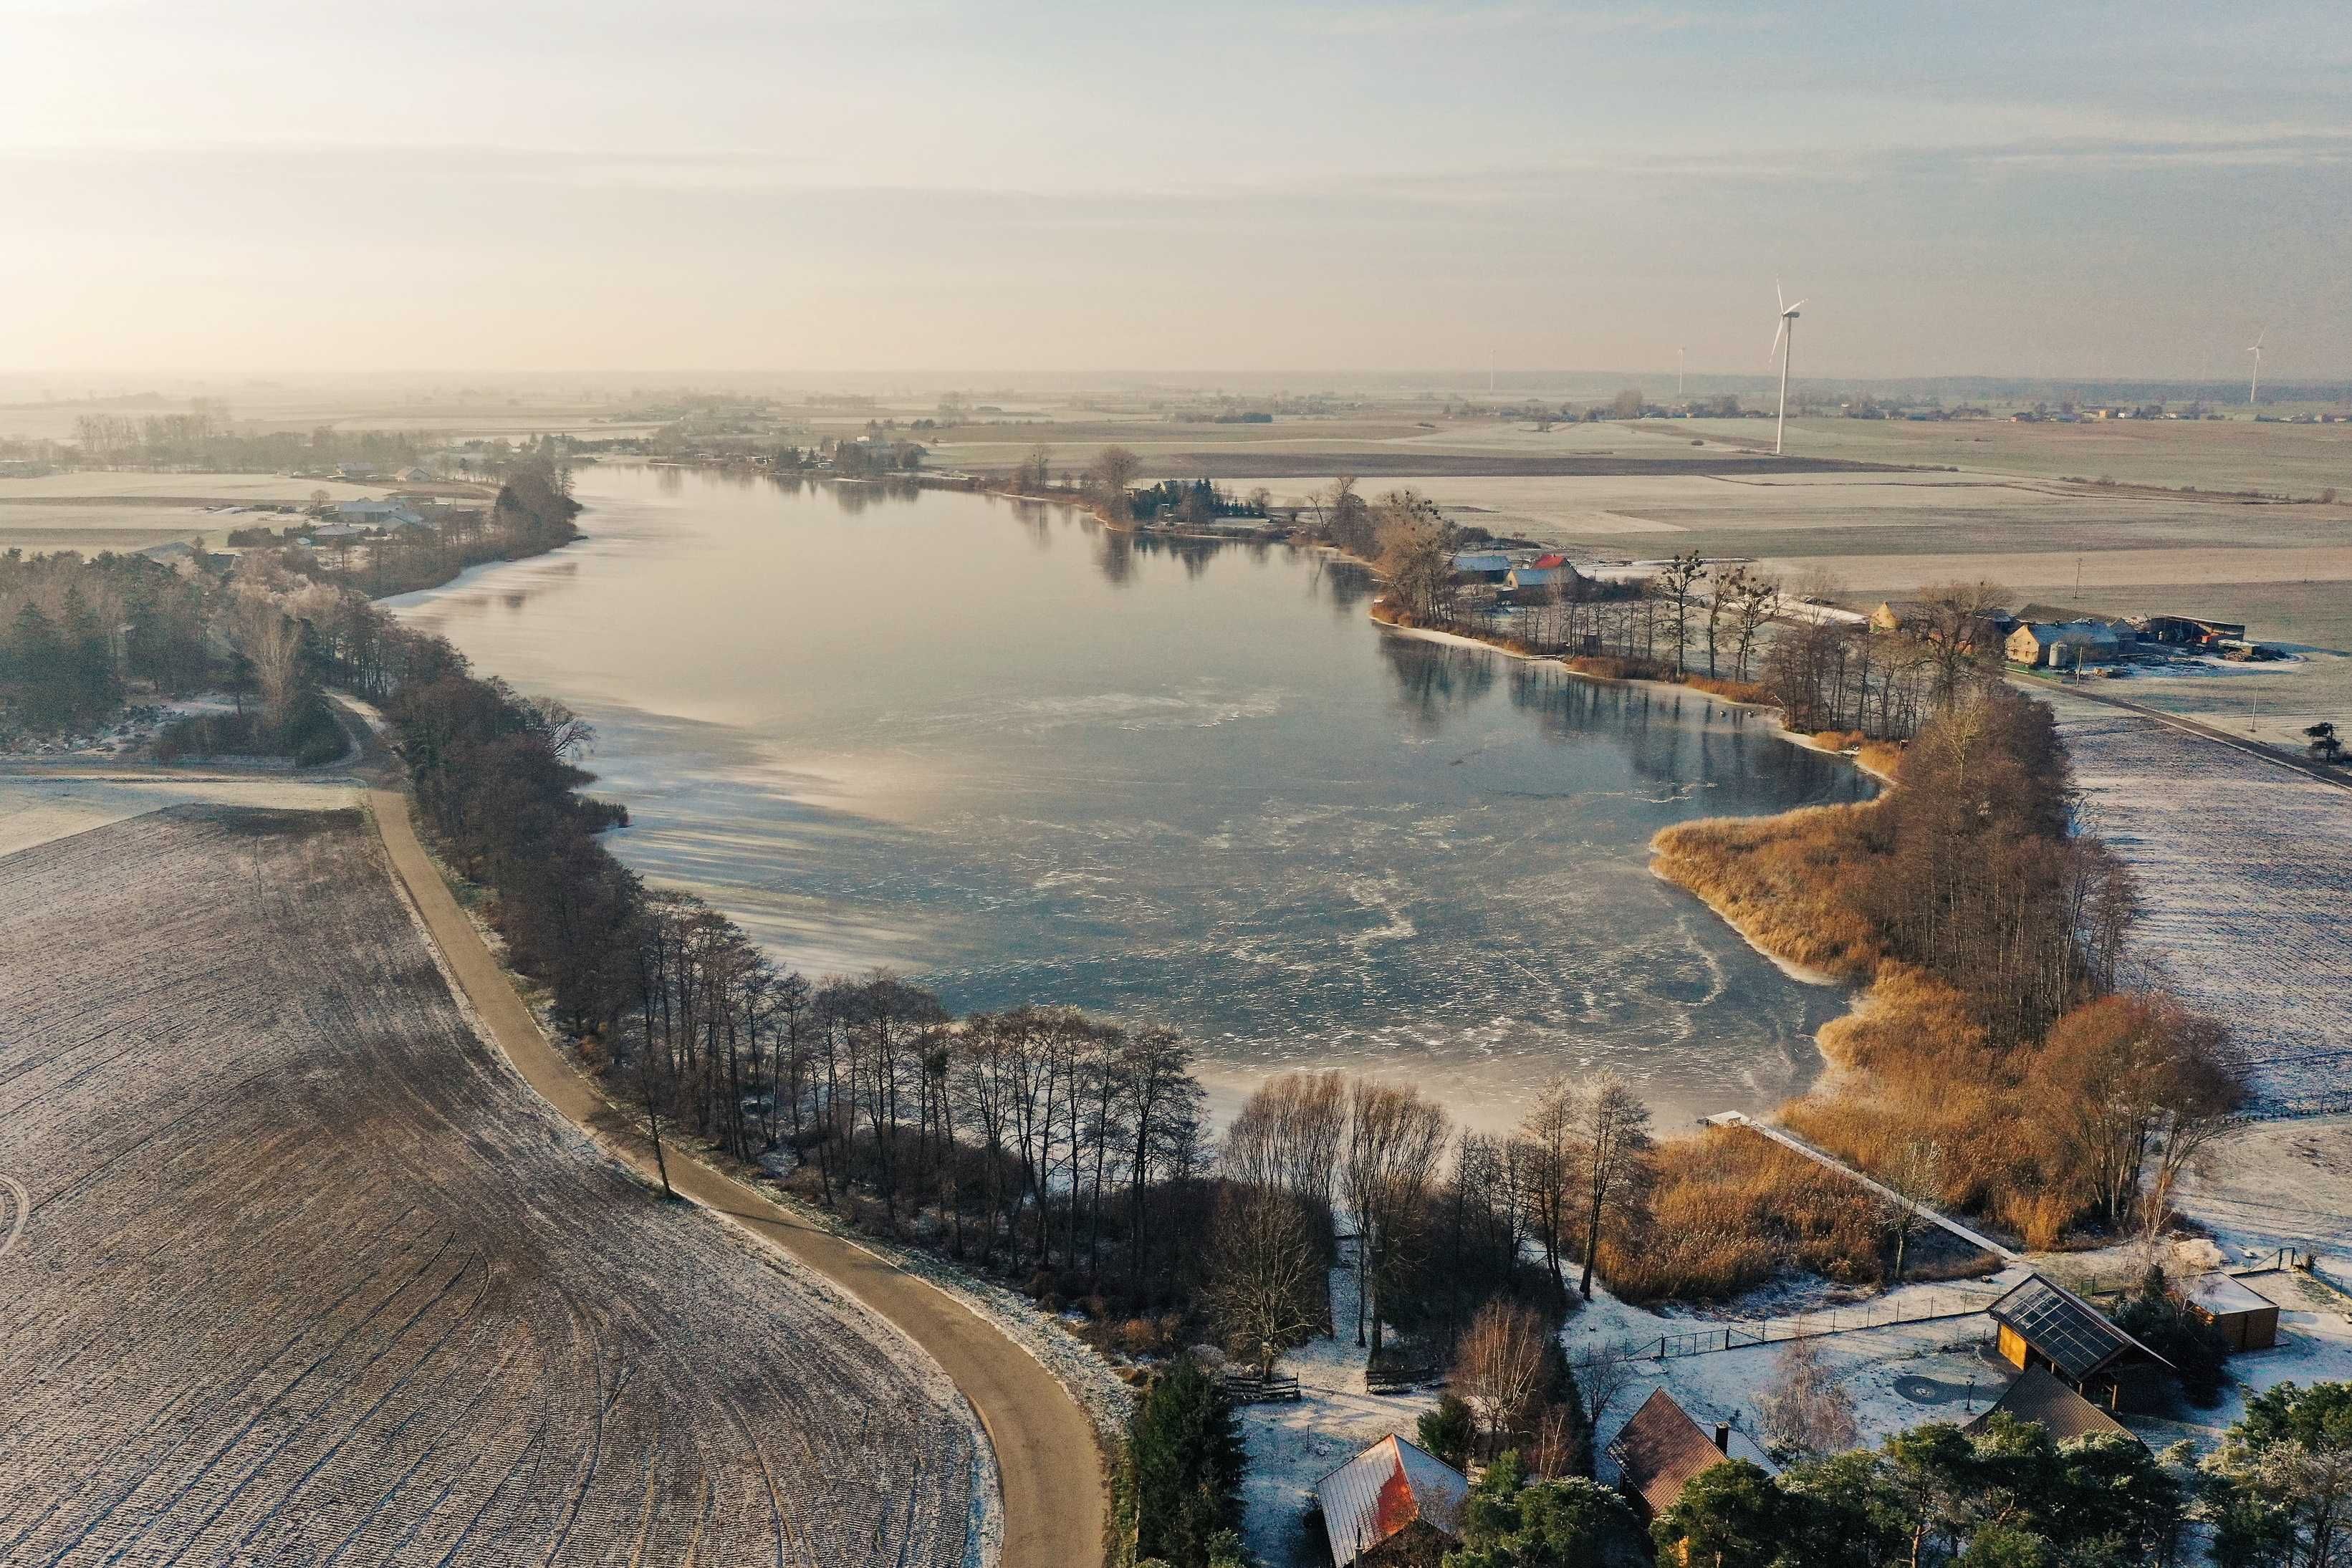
{"points": [[2051, 1360]]}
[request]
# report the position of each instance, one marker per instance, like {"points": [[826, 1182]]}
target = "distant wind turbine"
{"points": [[1784, 343], [1678, 373], [2255, 385]]}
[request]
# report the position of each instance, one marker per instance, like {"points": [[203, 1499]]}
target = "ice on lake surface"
{"points": [[1020, 757]]}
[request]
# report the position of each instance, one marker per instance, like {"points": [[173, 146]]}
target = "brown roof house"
{"points": [[2040, 1399], [2043, 1325], [1394, 1505], [1661, 1449]]}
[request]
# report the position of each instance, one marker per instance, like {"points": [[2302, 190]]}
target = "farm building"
{"points": [[2060, 615], [1485, 566], [2043, 1325], [2188, 630], [2042, 1400], [1916, 617], [1392, 1505], [1545, 572], [377, 515], [2063, 646], [2247, 1319], [1661, 1448]]}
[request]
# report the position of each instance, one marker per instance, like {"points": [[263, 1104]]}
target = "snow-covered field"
{"points": [[311, 1275], [41, 801], [2245, 869]]}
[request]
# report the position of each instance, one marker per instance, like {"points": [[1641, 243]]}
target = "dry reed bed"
{"points": [[1909, 1063], [312, 1275]]}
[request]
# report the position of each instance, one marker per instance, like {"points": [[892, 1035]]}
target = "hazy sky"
{"points": [[2038, 188]]}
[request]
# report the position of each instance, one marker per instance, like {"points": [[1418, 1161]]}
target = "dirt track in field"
{"points": [[1047, 1462], [311, 1276]]}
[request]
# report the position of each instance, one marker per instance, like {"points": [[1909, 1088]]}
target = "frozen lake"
{"points": [[1020, 759]]}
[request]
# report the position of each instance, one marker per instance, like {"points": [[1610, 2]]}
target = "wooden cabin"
{"points": [[2247, 1319], [2042, 1324]]}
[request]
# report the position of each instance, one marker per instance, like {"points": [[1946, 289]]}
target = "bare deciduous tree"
{"points": [[1601, 1376], [1676, 584], [1499, 1363], [1266, 1275], [1114, 475], [1286, 1135], [1914, 1176], [1611, 1155], [2130, 1079], [1395, 1138], [1549, 1136], [1803, 1409]]}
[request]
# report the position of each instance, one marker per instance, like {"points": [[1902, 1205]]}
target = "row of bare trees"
{"points": [[1034, 1138], [1441, 1216]]}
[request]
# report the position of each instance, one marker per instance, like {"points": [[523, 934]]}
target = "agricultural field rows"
{"points": [[311, 1276], [2245, 869]]}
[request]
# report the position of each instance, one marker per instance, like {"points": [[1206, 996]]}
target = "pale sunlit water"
{"points": [[1020, 758]]}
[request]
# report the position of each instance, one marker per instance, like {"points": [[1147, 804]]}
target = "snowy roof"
{"points": [[1482, 561], [2075, 1336], [1383, 1490], [2040, 1399], [2223, 1296]]}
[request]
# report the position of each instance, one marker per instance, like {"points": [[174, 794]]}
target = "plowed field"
{"points": [[310, 1276]]}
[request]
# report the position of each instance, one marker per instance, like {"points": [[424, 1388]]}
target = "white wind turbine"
{"points": [[2254, 385], [1784, 341]]}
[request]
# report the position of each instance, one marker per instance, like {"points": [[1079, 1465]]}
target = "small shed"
{"points": [[1394, 1503], [1661, 1449], [2042, 1324], [2247, 1319], [2043, 1401]]}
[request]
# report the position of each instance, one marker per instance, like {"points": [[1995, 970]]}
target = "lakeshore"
{"points": [[1156, 780]]}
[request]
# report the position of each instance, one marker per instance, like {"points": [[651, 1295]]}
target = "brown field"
{"points": [[311, 1276]]}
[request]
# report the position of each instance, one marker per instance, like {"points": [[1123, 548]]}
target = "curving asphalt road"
{"points": [[1050, 1467]]}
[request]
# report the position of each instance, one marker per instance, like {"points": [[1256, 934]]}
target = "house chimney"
{"points": [[1723, 1436]]}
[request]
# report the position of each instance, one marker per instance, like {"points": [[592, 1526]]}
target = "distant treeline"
{"points": [[76, 634]]}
